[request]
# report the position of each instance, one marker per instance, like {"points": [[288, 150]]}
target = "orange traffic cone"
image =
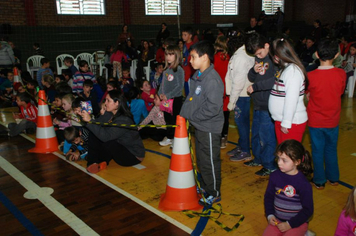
{"points": [[46, 140], [17, 79], [181, 192]]}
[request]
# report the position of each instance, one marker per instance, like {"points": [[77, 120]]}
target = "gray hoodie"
{"points": [[6, 54], [203, 107]]}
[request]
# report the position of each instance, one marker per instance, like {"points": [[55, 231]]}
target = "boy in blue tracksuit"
{"points": [[203, 108]]}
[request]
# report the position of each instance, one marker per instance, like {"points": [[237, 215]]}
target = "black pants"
{"points": [[153, 133], [99, 151], [171, 119], [226, 124]]}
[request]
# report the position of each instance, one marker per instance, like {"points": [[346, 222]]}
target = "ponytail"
{"points": [[305, 164]]}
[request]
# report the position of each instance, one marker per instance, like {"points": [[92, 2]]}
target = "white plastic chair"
{"points": [[133, 68], [33, 64], [147, 69], [60, 62], [99, 63], [83, 56], [351, 86]]}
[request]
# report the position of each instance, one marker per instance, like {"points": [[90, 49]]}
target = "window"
{"points": [[80, 7], [162, 7], [270, 6], [224, 7]]}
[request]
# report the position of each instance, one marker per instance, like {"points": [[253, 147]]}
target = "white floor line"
{"points": [[121, 191], [44, 196]]}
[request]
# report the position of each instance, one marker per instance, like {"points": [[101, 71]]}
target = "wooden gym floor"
{"points": [[124, 200]]}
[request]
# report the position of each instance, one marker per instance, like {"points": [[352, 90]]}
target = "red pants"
{"points": [[272, 230], [295, 132]]}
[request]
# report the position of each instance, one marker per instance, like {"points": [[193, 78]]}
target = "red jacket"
{"points": [[30, 113], [221, 63]]}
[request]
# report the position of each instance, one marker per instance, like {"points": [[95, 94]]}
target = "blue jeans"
{"points": [[263, 139], [242, 120], [324, 151]]}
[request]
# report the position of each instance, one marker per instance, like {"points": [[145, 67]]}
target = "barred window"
{"points": [[224, 7], [270, 6], [80, 7], [162, 7]]}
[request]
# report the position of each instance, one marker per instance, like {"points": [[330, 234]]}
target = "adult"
{"points": [[125, 35], [17, 54], [146, 54], [317, 31], [163, 33], [7, 58], [253, 26], [279, 19], [122, 144]]}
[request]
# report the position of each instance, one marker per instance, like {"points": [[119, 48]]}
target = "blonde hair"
{"points": [[350, 207], [48, 79], [221, 45], [69, 98], [173, 50]]}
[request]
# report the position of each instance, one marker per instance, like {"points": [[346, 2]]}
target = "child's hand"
{"points": [[75, 156], [257, 67], [250, 89], [163, 97], [15, 116], [57, 122], [85, 116], [284, 130], [273, 221], [283, 227]]}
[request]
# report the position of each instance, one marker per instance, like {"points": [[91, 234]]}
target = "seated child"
{"points": [[78, 138], [44, 70], [69, 62], [67, 101], [56, 109], [28, 115], [136, 105], [68, 77], [147, 94], [89, 95], [156, 76], [48, 86], [155, 117], [81, 75], [58, 79], [111, 85], [126, 82], [347, 220]]}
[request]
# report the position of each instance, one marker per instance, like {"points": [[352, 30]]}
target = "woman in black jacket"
{"points": [[123, 144]]}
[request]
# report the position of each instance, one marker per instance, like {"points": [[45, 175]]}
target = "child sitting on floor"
{"points": [[148, 94], [79, 143], [136, 105], [347, 220]]}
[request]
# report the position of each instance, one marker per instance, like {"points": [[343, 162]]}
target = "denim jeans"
{"points": [[324, 151], [242, 120], [263, 139]]}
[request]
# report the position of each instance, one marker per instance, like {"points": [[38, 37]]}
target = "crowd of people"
{"points": [[203, 80]]}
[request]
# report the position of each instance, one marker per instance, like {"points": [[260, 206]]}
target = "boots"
{"points": [[223, 142]]}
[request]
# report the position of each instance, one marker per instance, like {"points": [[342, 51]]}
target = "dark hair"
{"points": [[236, 40], [119, 47], [286, 54], [76, 102], [26, 76], [255, 41], [113, 84], [24, 97], [63, 87], [318, 21], [204, 47], [67, 72], [123, 108], [37, 45], [349, 52], [169, 41], [350, 207], [88, 82], [189, 30], [44, 60], [61, 77], [70, 133], [296, 152], [310, 38], [69, 60], [164, 24], [327, 49], [82, 63], [133, 93], [107, 50], [33, 82]]}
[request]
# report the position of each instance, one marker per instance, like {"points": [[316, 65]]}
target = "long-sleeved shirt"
{"points": [[172, 83], [6, 54], [149, 98], [118, 56], [345, 226], [41, 72], [236, 79], [84, 145], [79, 78], [138, 109], [289, 198], [29, 113], [286, 102]]}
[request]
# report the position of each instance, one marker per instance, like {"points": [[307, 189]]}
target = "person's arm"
{"points": [[342, 228], [10, 52], [176, 85], [264, 85], [269, 197], [149, 117], [252, 75]]}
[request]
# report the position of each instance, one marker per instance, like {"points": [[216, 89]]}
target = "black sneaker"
{"points": [[234, 151], [318, 186], [264, 172], [251, 164]]}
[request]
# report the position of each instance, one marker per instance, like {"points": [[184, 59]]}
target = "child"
{"points": [[28, 114], [147, 95], [155, 117], [126, 81], [69, 62], [7, 97], [68, 77], [263, 138], [56, 109], [67, 101], [58, 79], [187, 35], [203, 109], [289, 197], [47, 82], [236, 86], [116, 59], [349, 62], [326, 86], [286, 103], [136, 105], [44, 70], [221, 62], [111, 85], [89, 95], [172, 88], [82, 75], [346, 225], [156, 76], [79, 143]]}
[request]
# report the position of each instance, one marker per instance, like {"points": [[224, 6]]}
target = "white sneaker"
{"points": [[172, 144], [165, 142]]}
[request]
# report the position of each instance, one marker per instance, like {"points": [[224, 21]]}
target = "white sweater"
{"points": [[286, 102], [236, 79]]}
